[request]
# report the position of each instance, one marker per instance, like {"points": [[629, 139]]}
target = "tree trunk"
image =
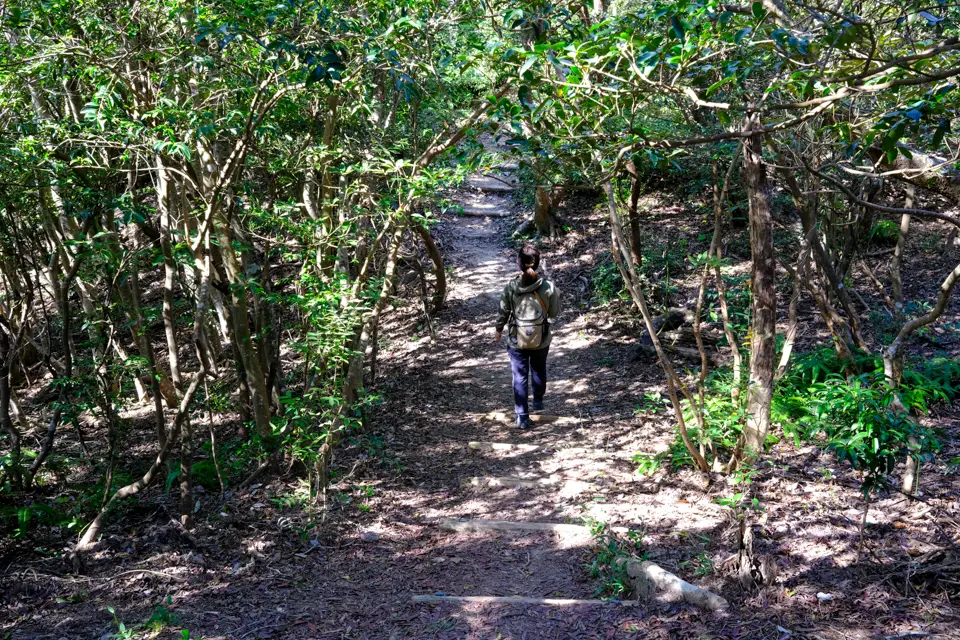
{"points": [[792, 317], [440, 290], [543, 212], [633, 214], [807, 211], [165, 200], [716, 250], [6, 424], [896, 283], [893, 363], [131, 291], [624, 261], [93, 531], [763, 287], [249, 357], [271, 331], [63, 304]]}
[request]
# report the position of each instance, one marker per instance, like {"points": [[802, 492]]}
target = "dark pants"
{"points": [[523, 362]]}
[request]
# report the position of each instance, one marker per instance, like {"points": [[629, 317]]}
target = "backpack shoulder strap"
{"points": [[542, 303]]}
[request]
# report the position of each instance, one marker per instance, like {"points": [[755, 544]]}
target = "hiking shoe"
{"points": [[537, 405], [523, 422]]}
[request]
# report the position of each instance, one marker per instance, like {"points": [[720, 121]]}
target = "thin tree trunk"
{"points": [[353, 381], [106, 404], [836, 324], [146, 350], [327, 254], [6, 424], [893, 363], [93, 531], [440, 273], [792, 325], [271, 331], [63, 304], [164, 193], [763, 277], [712, 253], [896, 283], [72, 265], [716, 246], [355, 372], [259, 398], [808, 220], [887, 300], [628, 271], [169, 274], [633, 214]]}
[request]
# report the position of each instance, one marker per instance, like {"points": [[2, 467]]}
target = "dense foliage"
{"points": [[205, 208]]}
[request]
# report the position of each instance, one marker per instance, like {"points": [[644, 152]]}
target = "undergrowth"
{"points": [[845, 407], [610, 552]]}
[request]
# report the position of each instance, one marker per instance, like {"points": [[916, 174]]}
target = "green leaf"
{"points": [[758, 11], [743, 33], [941, 131], [718, 84], [676, 25], [529, 62], [170, 479]]}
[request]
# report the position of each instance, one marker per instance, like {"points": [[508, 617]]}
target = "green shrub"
{"points": [[647, 463], [884, 233], [607, 283], [844, 405], [848, 405], [610, 550], [863, 426]]}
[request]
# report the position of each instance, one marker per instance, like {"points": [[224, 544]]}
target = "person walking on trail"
{"points": [[526, 305]]}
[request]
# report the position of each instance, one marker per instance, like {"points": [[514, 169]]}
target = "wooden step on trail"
{"points": [[486, 183], [504, 446], [554, 602], [453, 524], [483, 211], [559, 450], [512, 482], [538, 418]]}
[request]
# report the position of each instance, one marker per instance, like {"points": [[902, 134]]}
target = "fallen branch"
{"points": [[649, 578], [452, 524], [557, 602]]}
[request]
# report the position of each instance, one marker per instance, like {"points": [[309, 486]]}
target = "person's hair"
{"points": [[528, 260]]}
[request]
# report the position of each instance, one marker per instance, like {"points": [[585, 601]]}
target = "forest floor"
{"points": [[261, 563]]}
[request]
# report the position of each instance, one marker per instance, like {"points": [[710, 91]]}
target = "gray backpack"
{"points": [[530, 316]]}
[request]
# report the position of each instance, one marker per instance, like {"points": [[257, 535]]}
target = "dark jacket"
{"points": [[550, 295]]}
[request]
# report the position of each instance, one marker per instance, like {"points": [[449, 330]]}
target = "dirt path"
{"points": [[482, 483]]}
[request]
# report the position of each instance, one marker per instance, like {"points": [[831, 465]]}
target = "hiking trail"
{"points": [[504, 510]]}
